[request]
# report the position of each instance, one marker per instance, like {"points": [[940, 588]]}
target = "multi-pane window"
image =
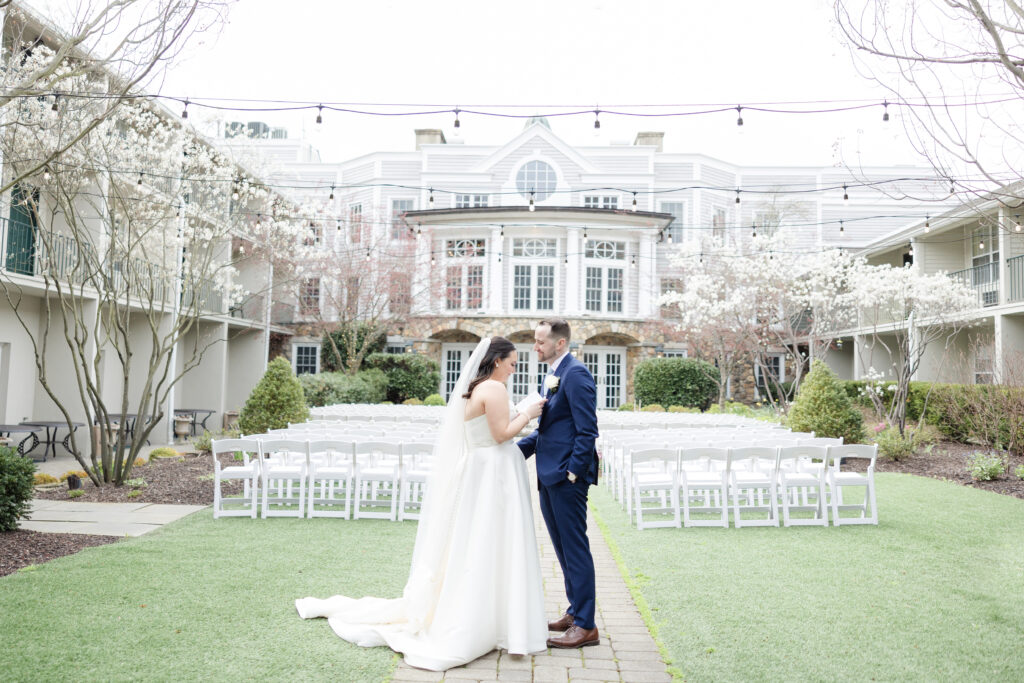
{"points": [[767, 373], [536, 177], [601, 202], [603, 289], [352, 296], [985, 264], [471, 201], [306, 359], [316, 233], [464, 287], [309, 296], [718, 224], [605, 249], [400, 299], [452, 368], [674, 231], [674, 353], [355, 223], [399, 207], [533, 287], [536, 248], [459, 248]]}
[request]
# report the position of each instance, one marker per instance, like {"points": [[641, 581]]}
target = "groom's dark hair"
{"points": [[559, 328]]}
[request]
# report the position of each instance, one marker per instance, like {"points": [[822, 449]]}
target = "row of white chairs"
{"points": [[683, 482], [351, 479]]}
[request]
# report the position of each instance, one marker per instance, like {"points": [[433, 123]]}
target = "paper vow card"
{"points": [[532, 397]]}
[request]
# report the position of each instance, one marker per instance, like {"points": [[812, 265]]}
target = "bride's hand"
{"points": [[533, 411]]}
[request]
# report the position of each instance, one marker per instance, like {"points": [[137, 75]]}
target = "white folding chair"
{"points": [[704, 478], [417, 458], [332, 469], [752, 477], [247, 473], [801, 483], [837, 479], [655, 477], [378, 466], [283, 463]]}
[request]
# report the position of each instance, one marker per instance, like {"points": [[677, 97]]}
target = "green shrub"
{"points": [[134, 493], [680, 409], [916, 393], [204, 442], [412, 402], [732, 408], [166, 452], [276, 401], [409, 375], [433, 400], [894, 445], [1019, 472], [652, 408], [78, 493], [42, 478], [986, 466], [16, 474], [627, 407], [136, 483], [676, 382], [349, 339], [330, 388], [823, 407]]}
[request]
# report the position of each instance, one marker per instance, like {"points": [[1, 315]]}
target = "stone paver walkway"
{"points": [[627, 652], [103, 519]]}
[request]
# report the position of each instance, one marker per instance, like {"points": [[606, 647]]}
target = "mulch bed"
{"points": [[187, 481]]}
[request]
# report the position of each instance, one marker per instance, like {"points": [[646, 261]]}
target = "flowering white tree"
{"points": [[129, 232], [905, 311]]}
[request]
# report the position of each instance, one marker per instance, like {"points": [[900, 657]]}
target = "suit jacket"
{"points": [[564, 439]]}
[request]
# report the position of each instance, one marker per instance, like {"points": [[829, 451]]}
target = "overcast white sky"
{"points": [[538, 52]]}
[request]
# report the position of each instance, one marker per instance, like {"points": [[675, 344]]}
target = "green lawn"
{"points": [[203, 600], [935, 592]]}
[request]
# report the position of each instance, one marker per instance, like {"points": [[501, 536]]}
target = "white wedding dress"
{"points": [[475, 582]]}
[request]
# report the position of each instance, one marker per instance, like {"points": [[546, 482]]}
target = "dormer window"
{"points": [[537, 177]]}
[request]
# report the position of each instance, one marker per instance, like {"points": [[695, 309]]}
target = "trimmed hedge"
{"points": [[16, 475], [409, 375], [676, 382], [276, 401], [328, 388], [823, 407]]}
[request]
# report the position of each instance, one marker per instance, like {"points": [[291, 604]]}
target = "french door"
{"points": [[607, 365]]}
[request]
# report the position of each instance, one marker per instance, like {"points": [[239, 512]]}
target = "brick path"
{"points": [[627, 652]]}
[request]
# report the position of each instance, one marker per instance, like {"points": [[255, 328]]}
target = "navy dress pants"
{"points": [[564, 508]]}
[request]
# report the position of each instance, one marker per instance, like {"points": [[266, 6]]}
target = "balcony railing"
{"points": [[984, 280], [1015, 279]]}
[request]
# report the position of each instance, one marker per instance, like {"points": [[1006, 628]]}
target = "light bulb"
{"points": [[927, 224], [739, 116], [140, 178], [566, 259], [53, 107], [320, 113], [456, 112], [184, 112], [332, 193], [737, 196], [634, 201], [885, 112], [532, 206], [670, 237], [1016, 227], [430, 201], [845, 195], [632, 261], [46, 175], [597, 121], [433, 259], [981, 245], [841, 230], [502, 232]]}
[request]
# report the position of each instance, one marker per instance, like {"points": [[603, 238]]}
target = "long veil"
{"points": [[440, 500]]}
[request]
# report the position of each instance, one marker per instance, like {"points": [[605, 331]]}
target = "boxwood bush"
{"points": [[16, 474], [675, 382], [823, 407], [328, 388], [276, 401], [409, 375]]}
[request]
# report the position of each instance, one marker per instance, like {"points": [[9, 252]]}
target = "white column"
{"points": [[1004, 244], [998, 351], [646, 277], [574, 250], [495, 289]]}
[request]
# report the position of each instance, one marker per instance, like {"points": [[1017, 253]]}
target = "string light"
{"points": [[841, 230], [702, 257], [184, 112], [367, 253], [456, 112], [753, 234], [910, 251], [632, 261], [46, 174], [53, 107], [140, 179], [634, 201], [885, 111], [1016, 227], [532, 206], [177, 213], [597, 121], [846, 196], [927, 224], [566, 259], [502, 232], [981, 244], [670, 237], [739, 115], [584, 232], [332, 193], [430, 201], [320, 113], [433, 259], [737, 196]]}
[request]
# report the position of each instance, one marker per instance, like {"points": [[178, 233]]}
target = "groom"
{"points": [[566, 467]]}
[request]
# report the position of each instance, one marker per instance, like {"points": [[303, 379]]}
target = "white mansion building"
{"points": [[536, 227]]}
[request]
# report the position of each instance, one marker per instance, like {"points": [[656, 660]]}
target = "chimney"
{"points": [[650, 138], [429, 136]]}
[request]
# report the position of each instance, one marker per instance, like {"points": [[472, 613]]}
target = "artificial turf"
{"points": [[203, 599], [934, 592]]}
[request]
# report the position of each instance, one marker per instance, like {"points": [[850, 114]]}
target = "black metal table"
{"points": [[51, 437], [194, 413], [7, 430]]}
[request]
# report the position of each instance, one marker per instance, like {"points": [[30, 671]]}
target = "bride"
{"points": [[474, 584]]}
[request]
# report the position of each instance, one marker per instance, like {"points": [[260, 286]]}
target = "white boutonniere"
{"points": [[551, 383]]}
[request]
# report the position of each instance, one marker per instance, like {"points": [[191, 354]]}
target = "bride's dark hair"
{"points": [[499, 349]]}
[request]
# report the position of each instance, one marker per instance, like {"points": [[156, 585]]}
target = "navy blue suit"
{"points": [[564, 442]]}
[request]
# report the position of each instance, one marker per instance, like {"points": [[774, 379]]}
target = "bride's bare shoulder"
{"points": [[490, 388]]}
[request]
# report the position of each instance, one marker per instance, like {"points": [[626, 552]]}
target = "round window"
{"points": [[537, 177]]}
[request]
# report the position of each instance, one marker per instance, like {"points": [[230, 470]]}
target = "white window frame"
{"points": [[472, 200], [355, 223], [296, 345], [758, 373], [602, 201], [676, 231], [305, 310], [533, 264], [399, 231], [463, 286]]}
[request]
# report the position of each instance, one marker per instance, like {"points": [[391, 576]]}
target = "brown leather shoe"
{"points": [[561, 624], [575, 637]]}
